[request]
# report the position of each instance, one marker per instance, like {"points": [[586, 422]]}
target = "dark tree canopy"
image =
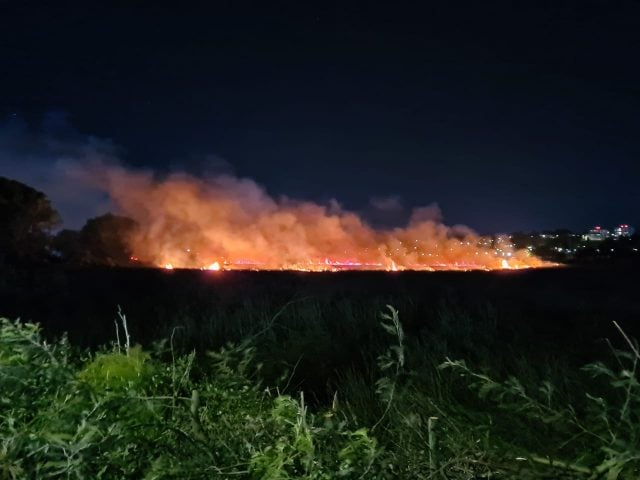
{"points": [[67, 245], [26, 219], [104, 240]]}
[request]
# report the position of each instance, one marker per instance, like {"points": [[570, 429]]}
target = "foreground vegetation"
{"points": [[124, 412]]}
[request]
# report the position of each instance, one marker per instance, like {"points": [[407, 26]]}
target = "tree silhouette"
{"points": [[68, 246], [104, 240], [26, 219]]}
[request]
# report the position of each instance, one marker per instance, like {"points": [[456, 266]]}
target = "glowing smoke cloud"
{"points": [[232, 223]]}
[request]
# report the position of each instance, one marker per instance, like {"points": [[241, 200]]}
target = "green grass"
{"points": [[121, 413], [266, 406]]}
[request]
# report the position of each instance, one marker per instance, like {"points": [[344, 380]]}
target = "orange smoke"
{"points": [[230, 224]]}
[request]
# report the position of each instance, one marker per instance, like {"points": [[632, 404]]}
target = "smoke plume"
{"points": [[229, 222]]}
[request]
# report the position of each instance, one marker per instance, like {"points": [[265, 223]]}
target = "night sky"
{"points": [[511, 116]]}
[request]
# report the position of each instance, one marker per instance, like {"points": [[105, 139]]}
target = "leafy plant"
{"points": [[391, 360], [599, 439]]}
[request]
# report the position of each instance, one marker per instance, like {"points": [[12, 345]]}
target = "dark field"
{"points": [[85, 300], [330, 319]]}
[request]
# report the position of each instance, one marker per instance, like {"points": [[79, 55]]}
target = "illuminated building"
{"points": [[623, 230], [596, 234]]}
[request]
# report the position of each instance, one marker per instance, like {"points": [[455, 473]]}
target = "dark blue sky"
{"points": [[511, 115]]}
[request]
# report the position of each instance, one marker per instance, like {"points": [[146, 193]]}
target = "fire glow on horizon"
{"points": [[331, 266], [227, 223]]}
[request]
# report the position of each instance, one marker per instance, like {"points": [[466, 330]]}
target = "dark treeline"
{"points": [[27, 225], [565, 246]]}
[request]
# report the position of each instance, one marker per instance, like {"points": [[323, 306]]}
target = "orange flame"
{"points": [[215, 266], [187, 223]]}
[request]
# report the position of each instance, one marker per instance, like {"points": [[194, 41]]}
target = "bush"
{"points": [[126, 413], [118, 371], [114, 415]]}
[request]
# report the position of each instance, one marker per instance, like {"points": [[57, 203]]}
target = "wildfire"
{"points": [[226, 223], [339, 266]]}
